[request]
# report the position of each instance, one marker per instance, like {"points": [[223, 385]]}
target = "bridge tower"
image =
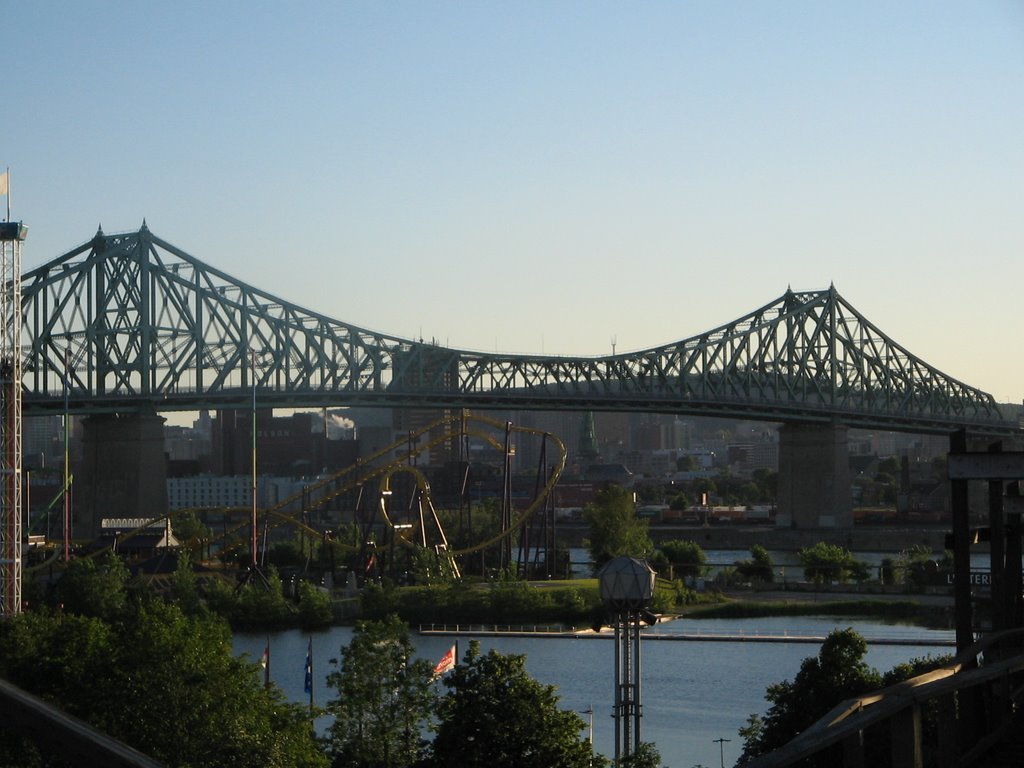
{"points": [[814, 477], [12, 233]]}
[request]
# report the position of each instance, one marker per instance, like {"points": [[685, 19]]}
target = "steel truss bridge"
{"points": [[128, 322]]}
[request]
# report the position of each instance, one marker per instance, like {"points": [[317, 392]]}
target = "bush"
{"points": [[314, 605], [687, 557], [758, 567], [829, 562]]}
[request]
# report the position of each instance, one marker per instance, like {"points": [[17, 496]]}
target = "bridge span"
{"points": [[130, 322], [127, 325]]}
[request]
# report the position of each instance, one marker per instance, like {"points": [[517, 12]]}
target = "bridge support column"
{"points": [[814, 477], [123, 471]]}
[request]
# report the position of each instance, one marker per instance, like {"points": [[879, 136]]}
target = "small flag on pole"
{"points": [[309, 670], [447, 662]]}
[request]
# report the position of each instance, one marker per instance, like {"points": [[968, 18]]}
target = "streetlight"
{"points": [[721, 749], [589, 712]]}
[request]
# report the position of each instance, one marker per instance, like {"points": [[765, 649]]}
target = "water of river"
{"points": [[694, 692]]}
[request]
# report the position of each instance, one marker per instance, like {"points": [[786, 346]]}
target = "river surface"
{"points": [[693, 692]]}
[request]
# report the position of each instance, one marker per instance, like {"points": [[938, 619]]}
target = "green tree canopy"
{"points": [[163, 682], [93, 586], [645, 756], [829, 562], [687, 557], [758, 567], [838, 672], [385, 698], [614, 527], [495, 715]]}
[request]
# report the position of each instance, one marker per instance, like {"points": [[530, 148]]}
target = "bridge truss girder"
{"points": [[144, 323]]}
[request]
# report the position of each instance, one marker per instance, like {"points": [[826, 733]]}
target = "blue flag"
{"points": [[309, 668]]}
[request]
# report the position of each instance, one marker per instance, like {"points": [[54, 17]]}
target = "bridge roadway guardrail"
{"points": [[896, 637]]}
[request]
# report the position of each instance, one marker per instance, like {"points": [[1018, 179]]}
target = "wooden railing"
{"points": [[974, 706]]}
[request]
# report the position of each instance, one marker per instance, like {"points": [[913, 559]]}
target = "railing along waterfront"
{"points": [[496, 629], [973, 709], [709, 635]]}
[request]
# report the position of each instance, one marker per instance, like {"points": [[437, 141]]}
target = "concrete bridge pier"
{"points": [[814, 477], [123, 472]]}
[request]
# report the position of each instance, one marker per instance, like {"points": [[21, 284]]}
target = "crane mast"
{"points": [[12, 234]]}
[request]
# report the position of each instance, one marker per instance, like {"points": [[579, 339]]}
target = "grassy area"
{"points": [[501, 602], [575, 602]]}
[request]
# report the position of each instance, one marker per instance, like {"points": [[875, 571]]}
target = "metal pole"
{"points": [[617, 711], [997, 549], [254, 534], [67, 455], [963, 610], [627, 684], [721, 750], [637, 699]]}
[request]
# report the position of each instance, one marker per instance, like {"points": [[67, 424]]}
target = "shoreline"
{"points": [[859, 538]]}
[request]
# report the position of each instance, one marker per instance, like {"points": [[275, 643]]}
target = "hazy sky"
{"points": [[546, 176]]}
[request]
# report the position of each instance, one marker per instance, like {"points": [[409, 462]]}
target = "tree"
{"points": [[314, 605], [614, 527], [178, 689], [191, 532], [385, 698], [163, 682], [495, 715], [687, 557], [838, 672], [829, 562], [645, 756], [758, 567], [93, 586]]}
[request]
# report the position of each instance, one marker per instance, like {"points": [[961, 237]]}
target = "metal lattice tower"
{"points": [[11, 235]]}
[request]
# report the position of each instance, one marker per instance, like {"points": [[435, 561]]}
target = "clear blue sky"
{"points": [[546, 176]]}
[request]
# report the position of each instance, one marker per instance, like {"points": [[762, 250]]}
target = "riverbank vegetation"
{"points": [[157, 675], [163, 679], [838, 672]]}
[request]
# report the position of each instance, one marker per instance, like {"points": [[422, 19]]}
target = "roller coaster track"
{"points": [[380, 467]]}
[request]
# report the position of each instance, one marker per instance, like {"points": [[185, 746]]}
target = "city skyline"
{"points": [[547, 178]]}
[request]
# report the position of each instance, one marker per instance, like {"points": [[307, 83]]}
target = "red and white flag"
{"points": [[265, 663], [447, 662]]}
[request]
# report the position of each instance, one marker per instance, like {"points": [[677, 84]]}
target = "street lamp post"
{"points": [[721, 750]]}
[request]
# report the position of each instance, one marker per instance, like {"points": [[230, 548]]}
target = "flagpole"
{"points": [[266, 669], [255, 531], [309, 675], [67, 455]]}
